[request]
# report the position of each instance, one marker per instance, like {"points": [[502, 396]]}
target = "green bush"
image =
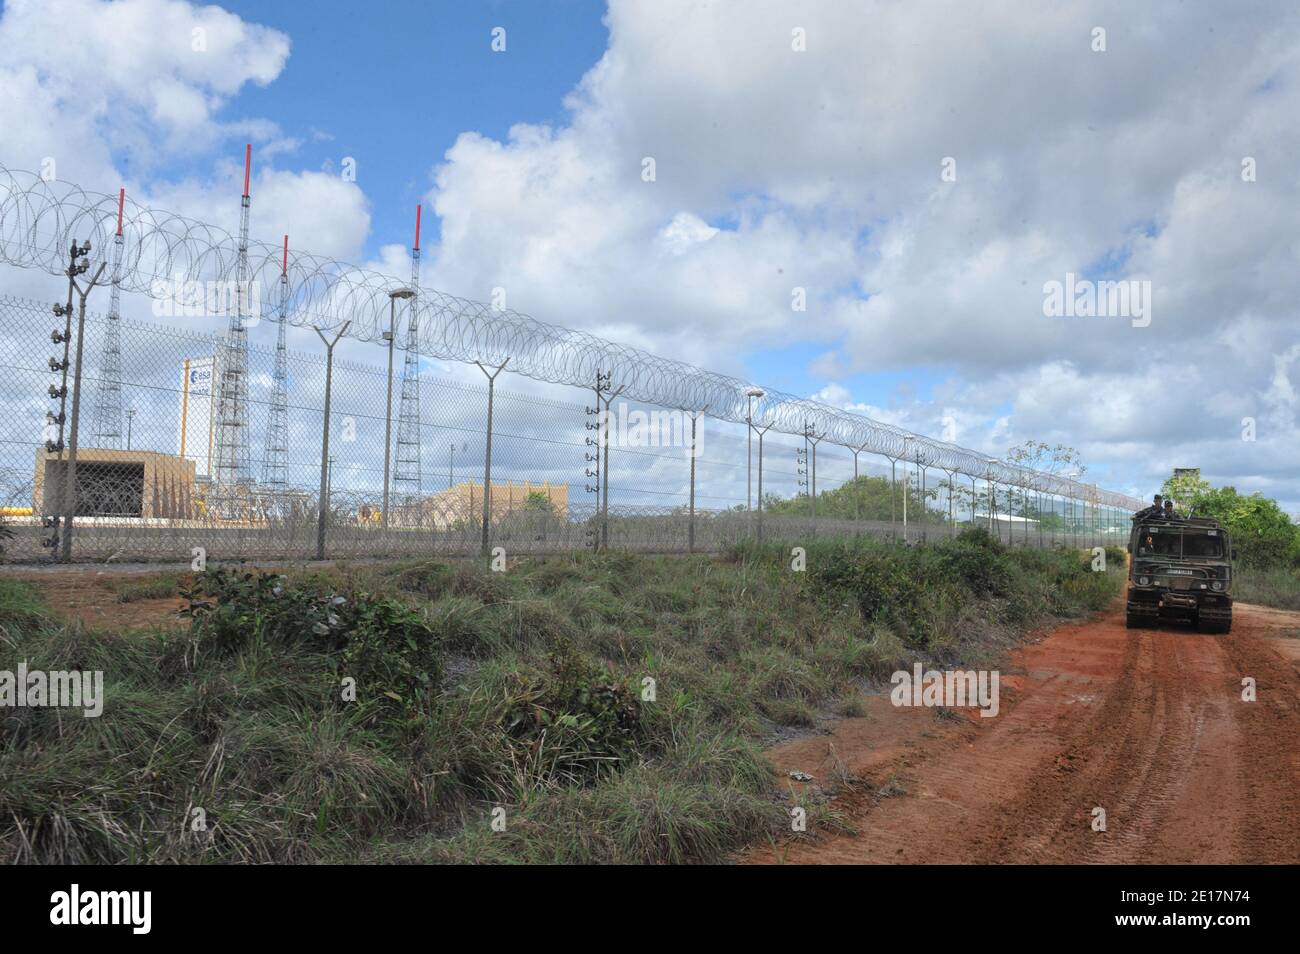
{"points": [[578, 708], [388, 648]]}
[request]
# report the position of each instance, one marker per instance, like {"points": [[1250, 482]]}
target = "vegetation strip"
{"points": [[609, 708]]}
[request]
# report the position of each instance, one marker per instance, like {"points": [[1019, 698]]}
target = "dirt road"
{"points": [[1149, 725]]}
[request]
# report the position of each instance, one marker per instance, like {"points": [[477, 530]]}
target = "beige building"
{"points": [[463, 504], [117, 483]]}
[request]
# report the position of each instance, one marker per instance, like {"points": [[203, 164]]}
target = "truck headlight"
{"points": [[1144, 581], [1216, 585]]}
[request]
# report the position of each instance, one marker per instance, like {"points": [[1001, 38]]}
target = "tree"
{"points": [[1058, 460], [867, 498], [1037, 455], [1186, 489], [536, 502], [1263, 533]]}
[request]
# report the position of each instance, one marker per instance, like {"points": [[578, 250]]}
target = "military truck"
{"points": [[1180, 569]]}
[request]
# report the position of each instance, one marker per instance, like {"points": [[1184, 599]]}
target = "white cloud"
{"points": [[83, 81], [826, 166], [99, 87]]}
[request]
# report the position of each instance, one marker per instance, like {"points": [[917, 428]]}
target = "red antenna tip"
{"points": [[248, 165], [121, 201], [417, 228], [284, 267]]}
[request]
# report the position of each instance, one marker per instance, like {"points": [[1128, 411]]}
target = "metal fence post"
{"points": [[325, 439], [952, 526], [70, 478], [487, 457], [857, 494], [893, 497], [690, 533], [761, 433], [604, 467]]}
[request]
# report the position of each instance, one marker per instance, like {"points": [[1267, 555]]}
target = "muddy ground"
{"points": [[93, 597], [1149, 725]]}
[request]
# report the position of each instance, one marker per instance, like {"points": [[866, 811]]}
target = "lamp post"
{"points": [[391, 335], [749, 450]]}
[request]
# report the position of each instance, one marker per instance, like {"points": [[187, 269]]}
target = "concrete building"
{"points": [[463, 504], [117, 483]]}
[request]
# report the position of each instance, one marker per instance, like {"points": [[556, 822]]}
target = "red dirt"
{"points": [[90, 596], [1147, 724]]}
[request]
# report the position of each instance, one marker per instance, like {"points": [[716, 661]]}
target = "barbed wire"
{"points": [[40, 218]]}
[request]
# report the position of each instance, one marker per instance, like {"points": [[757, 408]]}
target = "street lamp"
{"points": [[391, 336], [749, 450]]}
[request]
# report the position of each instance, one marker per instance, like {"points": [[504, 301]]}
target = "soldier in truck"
{"points": [[1181, 571], [1153, 511]]}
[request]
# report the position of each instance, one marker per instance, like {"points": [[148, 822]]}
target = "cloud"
{"points": [[821, 170], [146, 93], [87, 82]]}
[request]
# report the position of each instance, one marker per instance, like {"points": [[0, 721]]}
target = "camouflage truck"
{"points": [[1181, 569]]}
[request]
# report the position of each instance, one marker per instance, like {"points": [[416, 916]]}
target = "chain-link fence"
{"points": [[414, 468]]}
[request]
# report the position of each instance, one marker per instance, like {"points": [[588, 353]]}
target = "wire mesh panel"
{"points": [[499, 461]]}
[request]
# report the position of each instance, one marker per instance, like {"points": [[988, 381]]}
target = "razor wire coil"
{"points": [[40, 218]]}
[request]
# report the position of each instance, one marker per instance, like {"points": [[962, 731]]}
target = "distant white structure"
{"points": [[1004, 518], [197, 422]]}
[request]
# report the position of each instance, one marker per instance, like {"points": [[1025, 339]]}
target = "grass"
{"points": [[21, 608], [614, 708], [1279, 588], [154, 586]]}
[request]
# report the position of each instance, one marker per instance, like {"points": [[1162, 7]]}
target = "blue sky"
{"points": [[392, 83]]}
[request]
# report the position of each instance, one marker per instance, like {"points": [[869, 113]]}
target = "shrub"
{"points": [[579, 709], [388, 648]]}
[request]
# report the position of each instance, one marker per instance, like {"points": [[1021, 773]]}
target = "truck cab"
{"points": [[1180, 569]]}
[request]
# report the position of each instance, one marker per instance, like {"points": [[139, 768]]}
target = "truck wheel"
{"points": [[1134, 621]]}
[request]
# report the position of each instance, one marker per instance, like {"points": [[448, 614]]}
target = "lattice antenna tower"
{"points": [[232, 407], [407, 476], [275, 465], [108, 395]]}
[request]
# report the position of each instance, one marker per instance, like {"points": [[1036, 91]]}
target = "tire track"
{"points": [[1146, 724]]}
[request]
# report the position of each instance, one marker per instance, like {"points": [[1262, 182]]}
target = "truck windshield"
{"points": [[1180, 544]]}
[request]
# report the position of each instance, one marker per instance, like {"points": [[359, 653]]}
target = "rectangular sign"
{"points": [[197, 413]]}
